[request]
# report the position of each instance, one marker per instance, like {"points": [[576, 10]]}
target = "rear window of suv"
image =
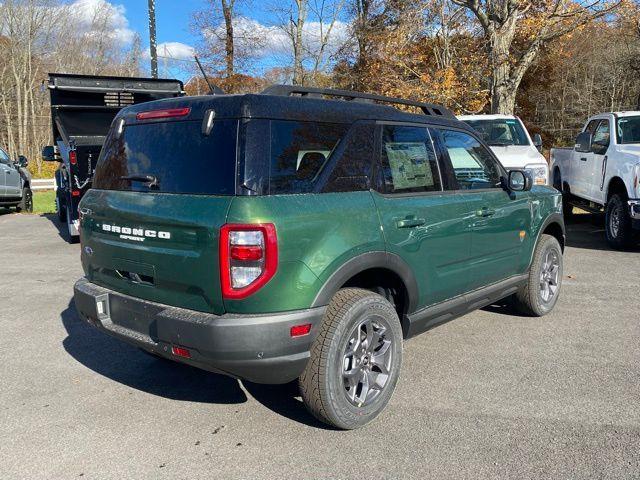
{"points": [[176, 154]]}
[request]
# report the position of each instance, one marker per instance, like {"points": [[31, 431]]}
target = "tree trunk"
{"points": [[298, 71], [502, 88], [227, 11]]}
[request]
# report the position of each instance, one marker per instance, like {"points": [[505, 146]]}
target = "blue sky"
{"points": [[172, 19], [265, 45]]}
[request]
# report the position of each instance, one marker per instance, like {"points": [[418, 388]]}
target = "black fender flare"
{"points": [[553, 218], [366, 261]]}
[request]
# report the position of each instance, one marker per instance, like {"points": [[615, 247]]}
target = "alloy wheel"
{"points": [[614, 221], [549, 276], [366, 362]]}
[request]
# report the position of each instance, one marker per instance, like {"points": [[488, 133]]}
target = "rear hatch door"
{"points": [[150, 226]]}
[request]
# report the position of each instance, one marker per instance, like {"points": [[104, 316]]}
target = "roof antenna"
{"points": [[213, 90]]}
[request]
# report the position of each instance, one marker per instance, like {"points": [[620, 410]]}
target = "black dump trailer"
{"points": [[82, 109]]}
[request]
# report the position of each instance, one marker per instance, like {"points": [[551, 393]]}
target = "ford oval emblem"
{"points": [[88, 250]]}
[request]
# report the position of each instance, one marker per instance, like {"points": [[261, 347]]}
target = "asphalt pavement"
{"points": [[489, 395]]}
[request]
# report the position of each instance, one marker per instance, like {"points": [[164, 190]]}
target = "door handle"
{"points": [[583, 159], [485, 212], [410, 222]]}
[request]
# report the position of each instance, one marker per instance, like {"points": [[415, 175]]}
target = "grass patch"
{"points": [[44, 202]]}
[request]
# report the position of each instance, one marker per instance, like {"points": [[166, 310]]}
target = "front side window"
{"points": [[299, 153], [408, 160], [628, 130], [601, 137], [500, 132], [473, 165]]}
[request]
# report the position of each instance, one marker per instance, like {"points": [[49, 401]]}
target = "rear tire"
{"points": [[540, 294], [61, 210], [71, 238], [618, 223], [355, 360]]}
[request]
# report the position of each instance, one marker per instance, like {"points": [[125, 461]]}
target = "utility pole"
{"points": [[152, 38]]}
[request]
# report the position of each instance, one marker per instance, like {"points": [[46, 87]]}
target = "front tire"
{"points": [[355, 360], [27, 201], [540, 294], [618, 223]]}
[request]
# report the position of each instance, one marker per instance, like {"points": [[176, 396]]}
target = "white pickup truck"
{"points": [[508, 138], [601, 173]]}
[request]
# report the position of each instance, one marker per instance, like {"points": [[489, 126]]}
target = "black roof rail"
{"points": [[292, 90]]}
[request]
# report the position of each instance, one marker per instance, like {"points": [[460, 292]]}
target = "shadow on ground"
{"points": [[130, 366], [61, 227]]}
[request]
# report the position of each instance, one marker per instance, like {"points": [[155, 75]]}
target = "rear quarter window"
{"points": [[300, 152], [177, 154]]}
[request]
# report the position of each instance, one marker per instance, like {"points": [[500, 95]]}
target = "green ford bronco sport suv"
{"points": [[304, 234]]}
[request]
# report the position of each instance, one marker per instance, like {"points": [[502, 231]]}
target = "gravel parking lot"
{"points": [[489, 395]]}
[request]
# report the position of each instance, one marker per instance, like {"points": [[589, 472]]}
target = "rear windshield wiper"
{"points": [[150, 180]]}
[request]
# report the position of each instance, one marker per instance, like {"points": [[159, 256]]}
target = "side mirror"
{"points": [[537, 142], [583, 142], [519, 181], [22, 161], [50, 154]]}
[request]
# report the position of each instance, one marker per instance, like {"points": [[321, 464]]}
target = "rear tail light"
{"points": [[75, 193], [248, 258], [73, 157], [165, 113]]}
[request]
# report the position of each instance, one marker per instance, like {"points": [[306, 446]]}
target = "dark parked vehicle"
{"points": [[82, 109], [287, 235], [15, 183]]}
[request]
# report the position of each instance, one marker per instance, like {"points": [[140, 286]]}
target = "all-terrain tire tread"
{"points": [[527, 296], [312, 384]]}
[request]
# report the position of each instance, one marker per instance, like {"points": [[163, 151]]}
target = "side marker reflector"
{"points": [[180, 352], [300, 330]]}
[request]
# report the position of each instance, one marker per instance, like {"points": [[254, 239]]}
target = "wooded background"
{"points": [[552, 62]]}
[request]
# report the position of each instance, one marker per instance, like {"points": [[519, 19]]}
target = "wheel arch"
{"points": [[554, 226], [616, 185], [373, 270]]}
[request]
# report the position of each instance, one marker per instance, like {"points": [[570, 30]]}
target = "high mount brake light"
{"points": [[248, 258], [165, 113]]}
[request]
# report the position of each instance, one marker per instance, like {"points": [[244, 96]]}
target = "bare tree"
{"points": [[294, 30], [546, 20]]}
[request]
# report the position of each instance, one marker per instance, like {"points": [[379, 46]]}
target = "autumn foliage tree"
{"points": [[536, 23]]}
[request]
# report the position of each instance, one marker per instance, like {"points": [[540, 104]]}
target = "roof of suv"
{"points": [[301, 108]]}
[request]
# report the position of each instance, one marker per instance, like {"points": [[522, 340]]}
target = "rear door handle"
{"points": [[410, 222], [583, 159], [485, 212]]}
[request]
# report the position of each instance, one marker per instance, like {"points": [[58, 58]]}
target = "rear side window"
{"points": [[409, 161], [299, 153], [176, 154]]}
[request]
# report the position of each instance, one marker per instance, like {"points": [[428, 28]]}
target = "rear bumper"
{"points": [[258, 348]]}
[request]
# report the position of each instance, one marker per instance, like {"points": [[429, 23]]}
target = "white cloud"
{"points": [[174, 50], [96, 16], [257, 40]]}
